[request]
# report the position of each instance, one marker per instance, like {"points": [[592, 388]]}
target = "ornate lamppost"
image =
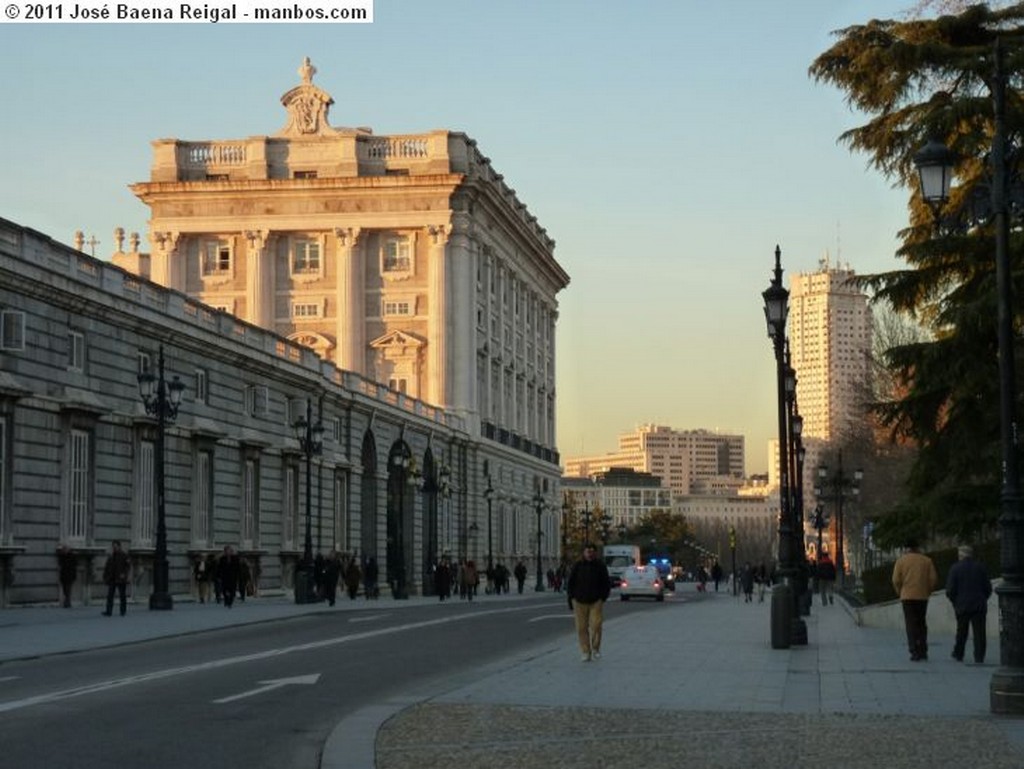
{"points": [[538, 502], [586, 516], [786, 624], [835, 488], [935, 165], [819, 521], [160, 399], [489, 496], [311, 442]]}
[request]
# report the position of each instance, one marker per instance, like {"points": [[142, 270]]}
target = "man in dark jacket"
{"points": [[115, 575], [588, 589], [968, 588]]}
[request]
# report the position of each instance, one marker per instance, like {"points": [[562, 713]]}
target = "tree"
{"points": [[917, 80], [662, 531]]}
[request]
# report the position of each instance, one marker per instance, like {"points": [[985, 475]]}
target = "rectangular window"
{"points": [[201, 386], [398, 384], [145, 519], [202, 491], [397, 308], [216, 258], [304, 175], [306, 310], [144, 362], [3, 478], [76, 351], [250, 502], [340, 515], [396, 255], [12, 330], [334, 429], [306, 257], [76, 520], [257, 400], [291, 506]]}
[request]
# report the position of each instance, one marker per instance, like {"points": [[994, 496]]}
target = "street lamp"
{"points": [[836, 488], [161, 399], [819, 522], [586, 516], [489, 495], [935, 168], [406, 474], [538, 501], [567, 510], [311, 441], [786, 624]]}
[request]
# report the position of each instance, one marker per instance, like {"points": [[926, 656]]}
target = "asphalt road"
{"points": [[259, 697]]}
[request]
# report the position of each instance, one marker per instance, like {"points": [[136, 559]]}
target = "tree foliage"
{"points": [[916, 80]]}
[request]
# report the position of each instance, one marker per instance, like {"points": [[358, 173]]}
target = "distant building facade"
{"points": [[625, 496], [680, 458]]}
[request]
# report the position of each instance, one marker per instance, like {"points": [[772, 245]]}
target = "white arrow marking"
{"points": [[275, 683]]}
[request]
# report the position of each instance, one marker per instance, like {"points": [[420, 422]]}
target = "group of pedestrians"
{"points": [[227, 575], [462, 577], [968, 588]]}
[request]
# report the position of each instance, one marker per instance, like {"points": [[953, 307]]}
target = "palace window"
{"points": [[306, 257], [396, 255], [79, 487], [12, 330], [202, 496], [145, 496], [76, 351], [397, 308], [305, 310], [216, 258], [202, 386]]}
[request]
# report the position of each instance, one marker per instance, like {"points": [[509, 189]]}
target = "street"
{"points": [[259, 696]]}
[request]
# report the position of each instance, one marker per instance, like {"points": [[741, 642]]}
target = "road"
{"points": [[259, 697]]}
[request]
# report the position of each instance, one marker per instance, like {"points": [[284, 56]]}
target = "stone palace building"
{"points": [[393, 287]]}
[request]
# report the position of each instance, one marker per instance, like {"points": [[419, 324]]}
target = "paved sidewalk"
{"points": [[695, 682]]}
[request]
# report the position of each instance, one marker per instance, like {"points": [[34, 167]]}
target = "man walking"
{"points": [[826, 573], [115, 575], [914, 578], [588, 589], [968, 588]]}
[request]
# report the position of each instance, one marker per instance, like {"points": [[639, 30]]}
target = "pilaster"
{"points": [[167, 265], [461, 266], [351, 296], [259, 280], [438, 323]]}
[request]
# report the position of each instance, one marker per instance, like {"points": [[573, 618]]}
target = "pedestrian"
{"points": [[968, 588], [352, 578], [761, 576], [716, 574], [228, 572], [245, 585], [201, 574], [588, 588], [826, 575], [318, 576], [67, 573], [747, 582], [331, 572], [443, 579], [115, 576], [914, 579], [211, 569], [370, 574], [470, 579], [519, 572]]}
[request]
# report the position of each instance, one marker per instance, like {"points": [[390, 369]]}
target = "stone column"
{"points": [[438, 324], [166, 265], [350, 348], [259, 280], [462, 390]]}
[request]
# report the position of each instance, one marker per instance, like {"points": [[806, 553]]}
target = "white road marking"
{"points": [[156, 675], [565, 615], [371, 618], [274, 683], [9, 678]]}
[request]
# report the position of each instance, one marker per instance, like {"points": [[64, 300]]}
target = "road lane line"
{"points": [[157, 675], [275, 683]]}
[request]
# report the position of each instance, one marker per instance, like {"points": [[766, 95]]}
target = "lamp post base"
{"points": [[305, 587], [1006, 691], [782, 616], [161, 602]]}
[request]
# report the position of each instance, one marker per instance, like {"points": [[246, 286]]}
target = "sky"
{"points": [[667, 146]]}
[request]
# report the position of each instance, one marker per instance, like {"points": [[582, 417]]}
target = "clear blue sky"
{"points": [[666, 145]]}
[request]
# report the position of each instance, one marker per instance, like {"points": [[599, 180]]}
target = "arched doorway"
{"points": [[368, 500]]}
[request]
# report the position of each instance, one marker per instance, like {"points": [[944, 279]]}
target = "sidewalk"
{"points": [[699, 685]]}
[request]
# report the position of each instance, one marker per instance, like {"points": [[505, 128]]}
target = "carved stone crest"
{"points": [[307, 106]]}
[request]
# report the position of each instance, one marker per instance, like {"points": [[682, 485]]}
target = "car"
{"points": [[642, 582]]}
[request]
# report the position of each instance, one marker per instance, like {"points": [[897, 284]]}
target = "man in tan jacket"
{"points": [[914, 578]]}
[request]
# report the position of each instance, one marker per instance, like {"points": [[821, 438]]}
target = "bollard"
{"points": [[782, 616]]}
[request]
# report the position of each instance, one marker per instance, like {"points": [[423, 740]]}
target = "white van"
{"points": [[642, 582], [618, 558]]}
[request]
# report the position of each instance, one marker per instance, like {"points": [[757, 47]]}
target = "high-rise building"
{"points": [[404, 258], [830, 330], [680, 458]]}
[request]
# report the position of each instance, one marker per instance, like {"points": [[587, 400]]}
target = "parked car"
{"points": [[642, 582]]}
